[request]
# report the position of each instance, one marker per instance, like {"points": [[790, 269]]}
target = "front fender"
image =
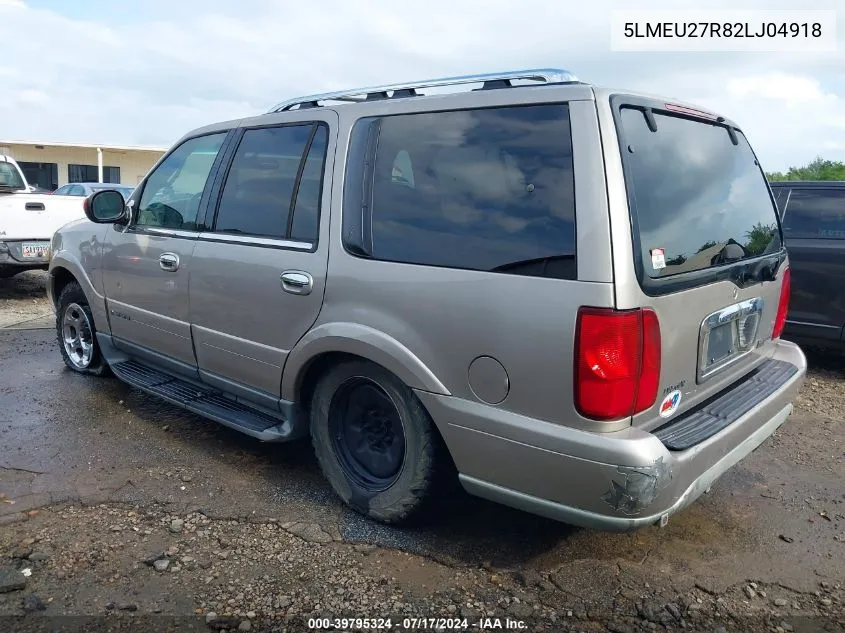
{"points": [[66, 261], [359, 340]]}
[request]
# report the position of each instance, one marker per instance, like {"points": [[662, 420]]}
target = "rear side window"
{"points": [[699, 200], [487, 189], [815, 213], [306, 211], [259, 187]]}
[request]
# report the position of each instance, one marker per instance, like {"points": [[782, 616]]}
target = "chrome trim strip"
{"points": [[255, 241], [162, 232], [832, 327]]}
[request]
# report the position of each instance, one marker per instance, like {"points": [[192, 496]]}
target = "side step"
{"points": [[206, 402]]}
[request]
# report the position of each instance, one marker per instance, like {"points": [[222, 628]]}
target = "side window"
{"points": [[260, 186], [489, 189], [815, 213], [61, 191], [306, 211], [171, 196], [76, 190]]}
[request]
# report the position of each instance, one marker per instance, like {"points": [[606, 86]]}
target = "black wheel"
{"points": [[375, 442], [77, 336]]}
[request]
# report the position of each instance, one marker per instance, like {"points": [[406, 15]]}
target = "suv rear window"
{"points": [[486, 189], [815, 213], [698, 200]]}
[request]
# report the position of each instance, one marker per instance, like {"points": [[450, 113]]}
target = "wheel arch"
{"points": [[332, 342], [64, 270], [60, 277]]}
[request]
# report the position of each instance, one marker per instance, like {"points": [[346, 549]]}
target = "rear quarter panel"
{"points": [[432, 323]]}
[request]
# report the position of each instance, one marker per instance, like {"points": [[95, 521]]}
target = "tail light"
{"points": [[783, 304], [617, 362]]}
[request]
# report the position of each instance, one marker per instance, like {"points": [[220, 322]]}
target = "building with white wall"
{"points": [[50, 165]]}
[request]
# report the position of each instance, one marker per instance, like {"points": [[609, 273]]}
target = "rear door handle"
{"points": [[297, 282], [169, 262]]}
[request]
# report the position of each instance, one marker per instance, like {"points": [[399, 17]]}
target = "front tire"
{"points": [[76, 333], [375, 442]]}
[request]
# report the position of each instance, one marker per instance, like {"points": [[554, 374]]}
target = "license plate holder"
{"points": [[35, 250], [720, 342], [727, 335]]}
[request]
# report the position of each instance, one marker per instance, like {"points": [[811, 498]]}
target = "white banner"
{"points": [[724, 30]]}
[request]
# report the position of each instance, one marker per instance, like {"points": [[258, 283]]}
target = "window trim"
{"points": [[210, 234], [138, 193], [359, 181], [656, 287]]}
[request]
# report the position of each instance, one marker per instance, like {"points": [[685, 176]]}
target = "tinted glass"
{"points": [[257, 195], [10, 177], [82, 173], [815, 213], [699, 199], [488, 189], [306, 213], [111, 174], [171, 196]]}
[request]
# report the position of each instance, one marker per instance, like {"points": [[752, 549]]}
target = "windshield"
{"points": [[699, 200], [10, 177]]}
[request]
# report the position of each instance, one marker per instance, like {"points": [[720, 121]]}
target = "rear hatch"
{"points": [[703, 249]]}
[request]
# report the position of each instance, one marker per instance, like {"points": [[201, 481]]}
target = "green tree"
{"points": [[759, 238], [819, 169]]}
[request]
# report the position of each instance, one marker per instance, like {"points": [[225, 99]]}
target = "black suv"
{"points": [[813, 216]]}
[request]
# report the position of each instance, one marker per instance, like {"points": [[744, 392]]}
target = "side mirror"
{"points": [[105, 207]]}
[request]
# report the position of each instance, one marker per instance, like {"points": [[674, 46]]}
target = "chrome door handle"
{"points": [[169, 262], [297, 282]]}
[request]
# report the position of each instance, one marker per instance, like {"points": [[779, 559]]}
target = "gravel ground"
{"points": [[120, 513], [128, 560], [23, 298]]}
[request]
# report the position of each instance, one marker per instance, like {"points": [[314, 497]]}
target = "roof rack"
{"points": [[409, 89]]}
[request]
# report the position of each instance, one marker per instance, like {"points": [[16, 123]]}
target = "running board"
{"points": [[204, 401]]}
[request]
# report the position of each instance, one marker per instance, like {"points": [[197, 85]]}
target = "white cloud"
{"points": [[164, 67]]}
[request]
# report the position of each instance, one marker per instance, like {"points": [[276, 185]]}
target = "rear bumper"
{"points": [[617, 481], [11, 256]]}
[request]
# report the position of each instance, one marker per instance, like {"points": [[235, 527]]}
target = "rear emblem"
{"points": [[670, 404]]}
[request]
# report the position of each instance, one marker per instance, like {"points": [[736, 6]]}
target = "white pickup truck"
{"points": [[28, 220]]}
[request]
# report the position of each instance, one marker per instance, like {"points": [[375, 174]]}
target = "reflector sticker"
{"points": [[658, 258], [670, 404]]}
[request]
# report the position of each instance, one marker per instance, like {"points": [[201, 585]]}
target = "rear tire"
{"points": [[375, 443], [76, 333]]}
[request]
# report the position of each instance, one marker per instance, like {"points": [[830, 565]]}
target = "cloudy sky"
{"points": [[99, 71]]}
